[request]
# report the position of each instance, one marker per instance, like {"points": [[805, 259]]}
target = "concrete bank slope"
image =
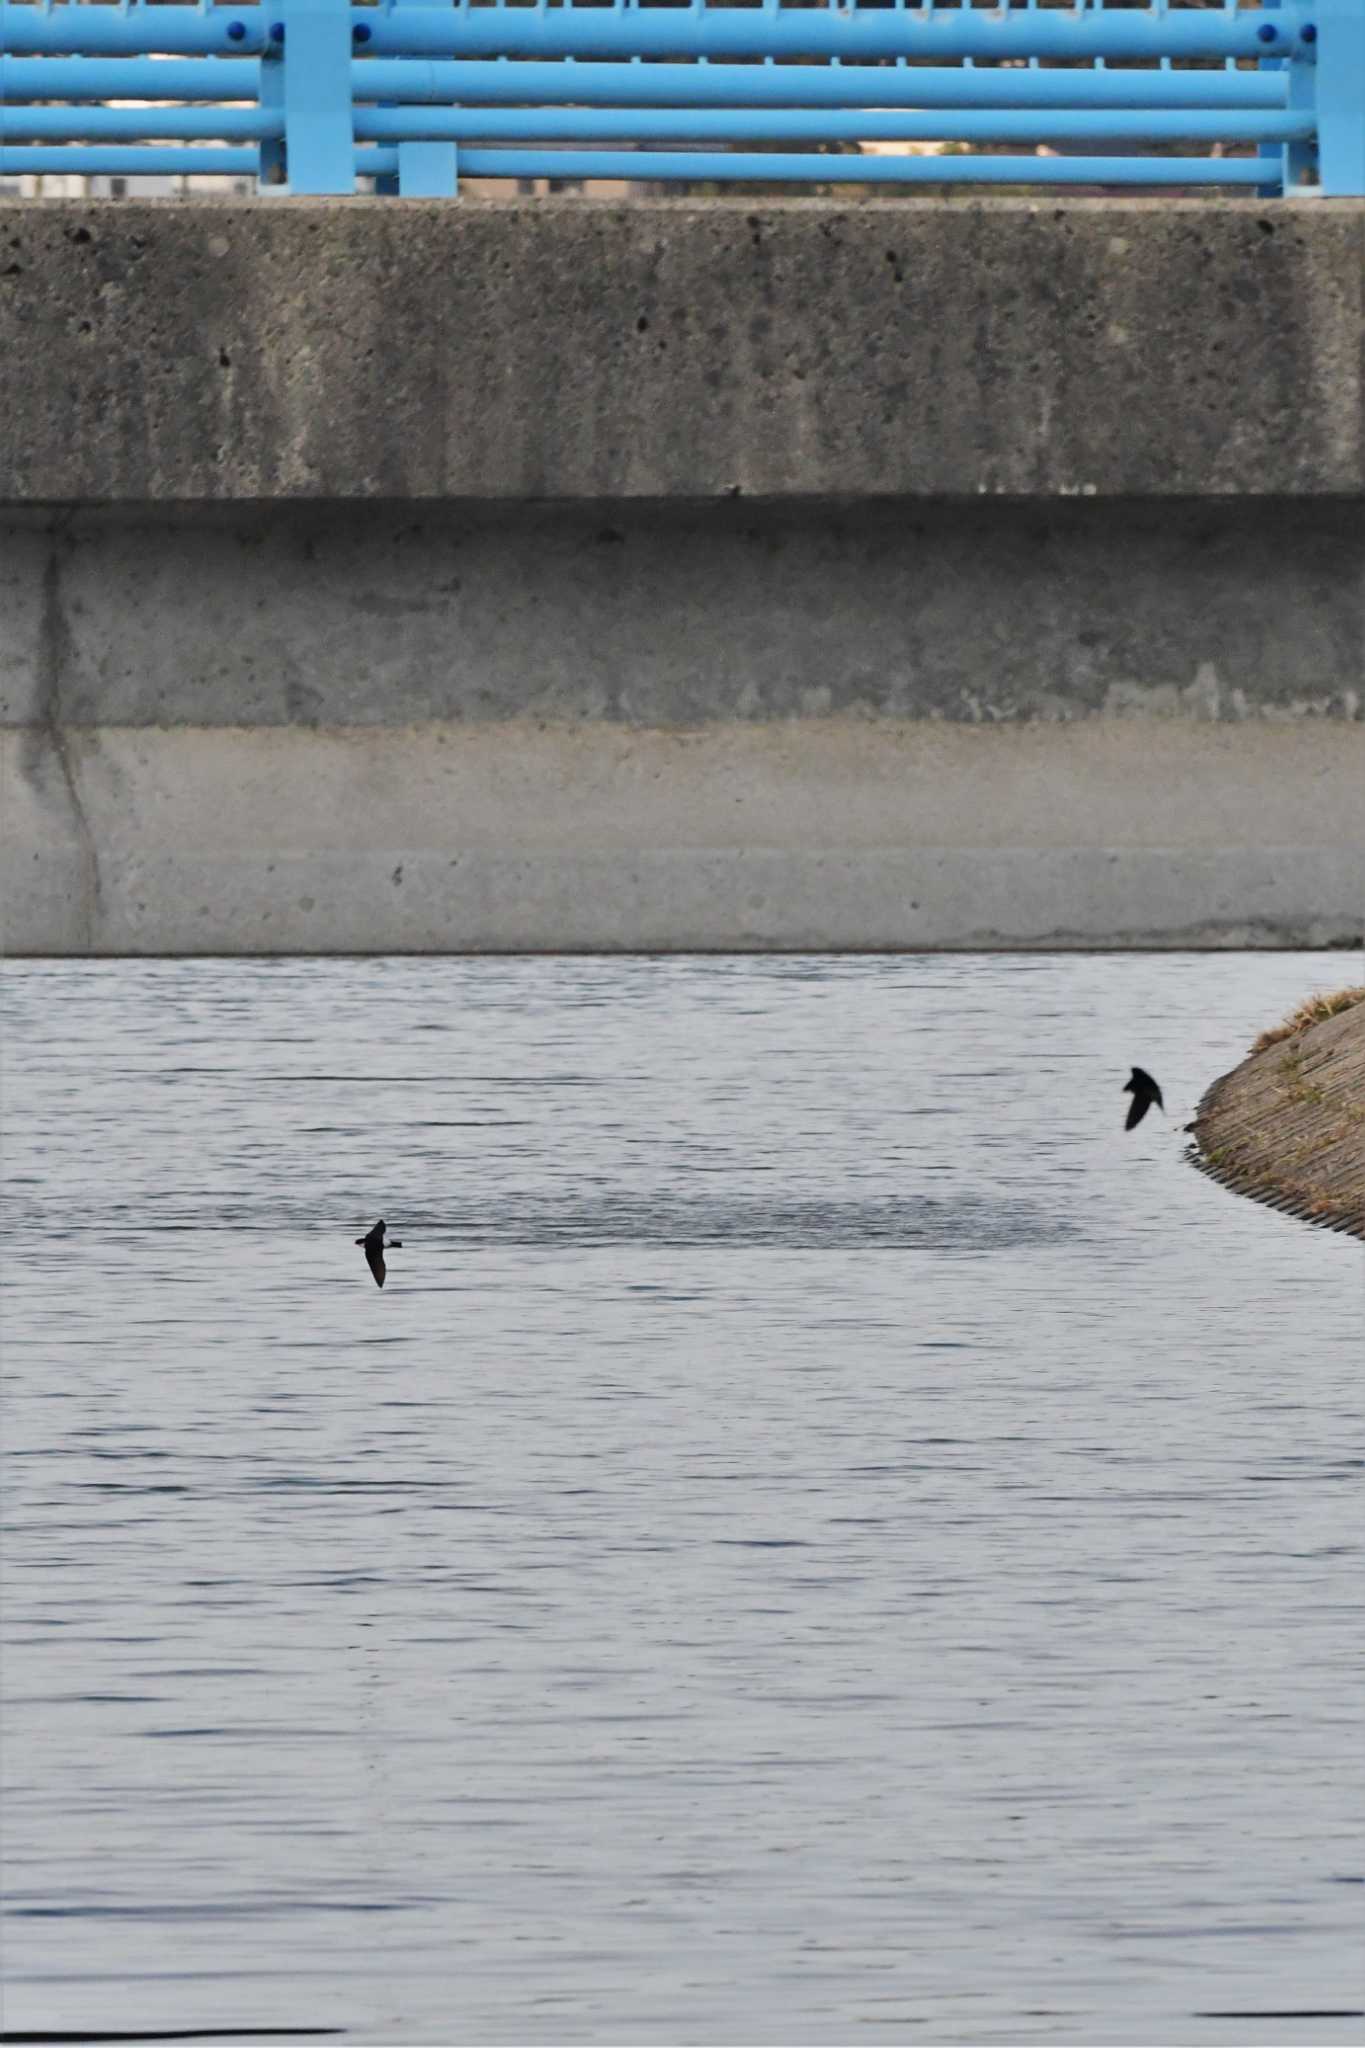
{"points": [[408, 576], [1288, 1125]]}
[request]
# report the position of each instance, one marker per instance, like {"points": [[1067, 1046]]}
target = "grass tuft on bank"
{"points": [[1314, 1010]]}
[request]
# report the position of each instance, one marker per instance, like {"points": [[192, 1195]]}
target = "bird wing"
{"points": [[375, 1259], [1137, 1110]]}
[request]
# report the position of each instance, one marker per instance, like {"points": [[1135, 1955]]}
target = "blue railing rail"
{"points": [[309, 96]]}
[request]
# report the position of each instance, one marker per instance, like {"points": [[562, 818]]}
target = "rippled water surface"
{"points": [[821, 1539]]}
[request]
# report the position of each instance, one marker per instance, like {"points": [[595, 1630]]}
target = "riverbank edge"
{"points": [[1287, 1126]]}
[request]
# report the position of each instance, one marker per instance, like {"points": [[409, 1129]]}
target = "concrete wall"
{"points": [[440, 578], [415, 350], [665, 727]]}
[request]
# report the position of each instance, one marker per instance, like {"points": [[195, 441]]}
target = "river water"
{"points": [[822, 1538]]}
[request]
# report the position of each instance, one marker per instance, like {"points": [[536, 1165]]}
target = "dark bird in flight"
{"points": [[1144, 1092], [373, 1242]]}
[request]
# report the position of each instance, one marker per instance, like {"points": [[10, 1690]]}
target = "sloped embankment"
{"points": [[1288, 1126]]}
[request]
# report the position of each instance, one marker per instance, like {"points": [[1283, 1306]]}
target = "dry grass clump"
{"points": [[1315, 1010]]}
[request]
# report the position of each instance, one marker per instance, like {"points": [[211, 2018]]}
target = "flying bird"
{"points": [[373, 1242], [1144, 1092]]}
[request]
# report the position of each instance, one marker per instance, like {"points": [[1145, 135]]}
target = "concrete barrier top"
{"points": [[359, 350]]}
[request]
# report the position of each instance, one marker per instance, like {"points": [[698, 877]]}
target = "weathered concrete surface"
{"points": [[1288, 1126], [417, 350], [369, 729], [810, 834], [675, 616]]}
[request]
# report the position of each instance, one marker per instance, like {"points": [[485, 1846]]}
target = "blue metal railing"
{"points": [[309, 96]]}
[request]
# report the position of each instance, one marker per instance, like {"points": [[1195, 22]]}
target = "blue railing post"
{"points": [[1296, 162], [1273, 154], [1340, 51], [1300, 158], [386, 186], [272, 171], [427, 170], [319, 125]]}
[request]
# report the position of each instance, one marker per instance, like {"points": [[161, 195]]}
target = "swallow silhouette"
{"points": [[373, 1242], [1144, 1092]]}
